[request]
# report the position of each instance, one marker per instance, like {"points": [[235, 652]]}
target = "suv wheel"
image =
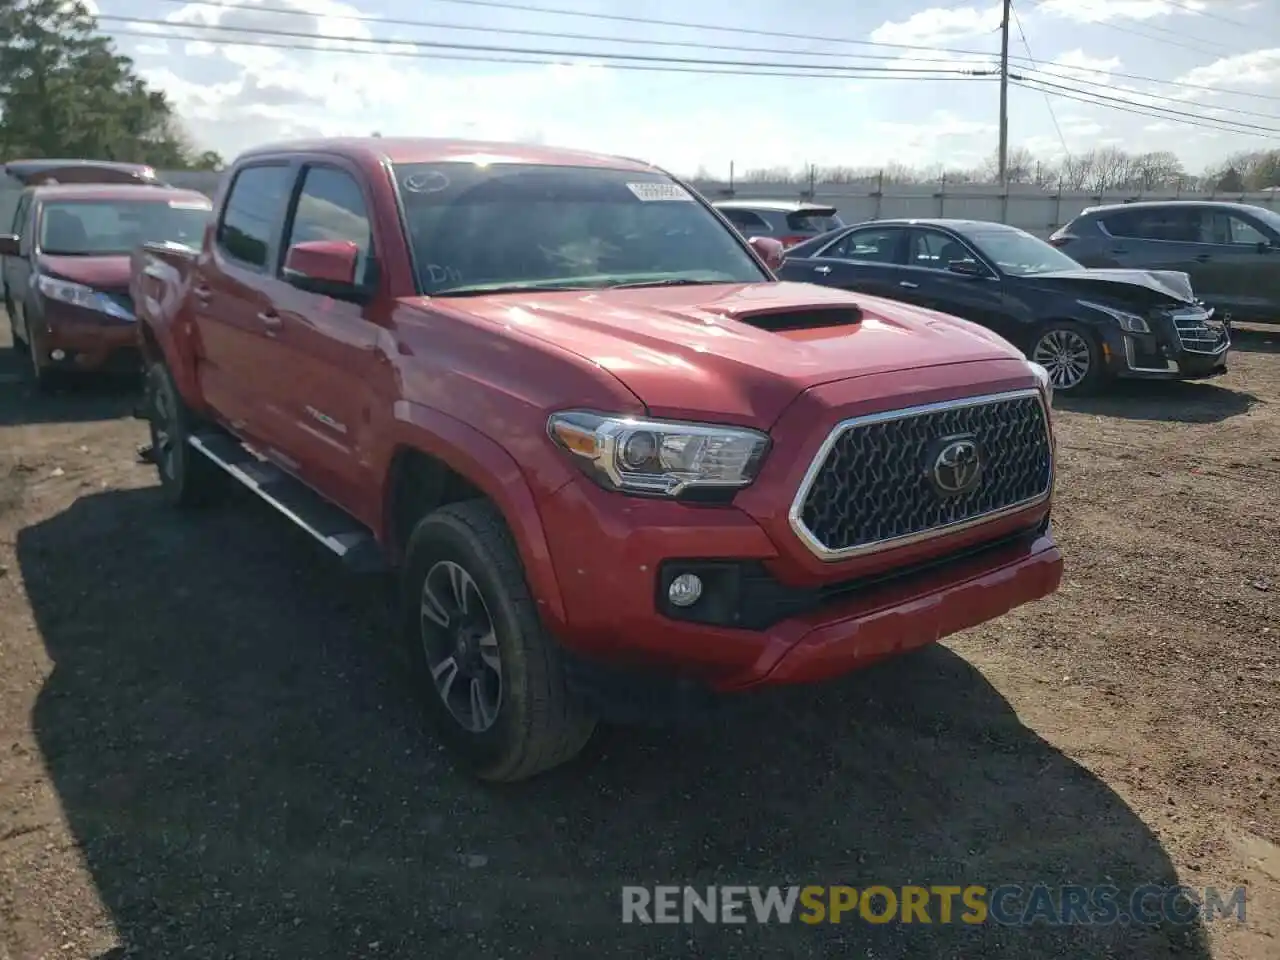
{"points": [[489, 673], [187, 477], [1070, 353]]}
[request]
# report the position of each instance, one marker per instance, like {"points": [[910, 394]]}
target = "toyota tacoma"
{"points": [[618, 468]]}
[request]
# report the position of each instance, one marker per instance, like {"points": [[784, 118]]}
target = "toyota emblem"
{"points": [[957, 466]]}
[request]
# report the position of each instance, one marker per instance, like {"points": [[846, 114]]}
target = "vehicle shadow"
{"points": [[233, 744], [1175, 401], [91, 398], [1256, 338]]}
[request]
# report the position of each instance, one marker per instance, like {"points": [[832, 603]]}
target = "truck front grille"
{"points": [[1195, 334], [889, 479]]}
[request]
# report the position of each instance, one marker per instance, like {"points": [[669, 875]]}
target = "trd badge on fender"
{"points": [[955, 465]]}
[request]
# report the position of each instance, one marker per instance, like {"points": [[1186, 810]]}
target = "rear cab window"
{"points": [[255, 207], [813, 222], [745, 219]]}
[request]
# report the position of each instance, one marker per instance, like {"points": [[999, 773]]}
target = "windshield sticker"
{"points": [[649, 192], [433, 181]]}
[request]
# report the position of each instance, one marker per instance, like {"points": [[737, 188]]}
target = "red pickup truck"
{"points": [[619, 467]]}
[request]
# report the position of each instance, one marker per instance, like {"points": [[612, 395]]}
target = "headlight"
{"points": [[79, 295], [657, 457], [1046, 381], [1130, 322]]}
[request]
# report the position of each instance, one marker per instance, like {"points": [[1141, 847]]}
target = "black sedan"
{"points": [[1084, 326]]}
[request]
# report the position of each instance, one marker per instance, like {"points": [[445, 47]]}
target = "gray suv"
{"points": [[788, 221], [1231, 251]]}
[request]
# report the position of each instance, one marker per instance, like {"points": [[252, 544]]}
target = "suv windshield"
{"points": [[1021, 254], [476, 228], [99, 228]]}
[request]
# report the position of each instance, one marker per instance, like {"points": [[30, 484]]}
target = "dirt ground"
{"points": [[207, 748]]}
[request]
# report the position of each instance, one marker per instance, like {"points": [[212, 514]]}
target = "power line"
{"points": [[1112, 103], [556, 34], [1268, 115], [594, 55], [361, 18], [531, 61], [1047, 102], [1135, 32]]}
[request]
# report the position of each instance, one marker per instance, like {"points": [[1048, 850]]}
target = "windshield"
{"points": [[98, 228], [477, 228], [813, 222], [1021, 254]]}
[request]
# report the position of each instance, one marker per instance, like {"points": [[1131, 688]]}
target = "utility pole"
{"points": [[1004, 94]]}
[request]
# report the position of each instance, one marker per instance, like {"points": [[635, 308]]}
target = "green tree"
{"points": [[65, 92]]}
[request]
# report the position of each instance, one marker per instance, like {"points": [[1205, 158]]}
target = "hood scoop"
{"points": [[798, 318]]}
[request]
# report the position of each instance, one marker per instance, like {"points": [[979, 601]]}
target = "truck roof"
{"points": [[440, 150], [115, 191]]}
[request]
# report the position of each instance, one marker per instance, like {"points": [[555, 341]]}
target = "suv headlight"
{"points": [[1129, 322], [78, 295], [1046, 381], [656, 457]]}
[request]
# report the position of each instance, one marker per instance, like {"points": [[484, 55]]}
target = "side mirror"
{"points": [[769, 250], [967, 268], [8, 245], [1264, 246], [326, 267]]}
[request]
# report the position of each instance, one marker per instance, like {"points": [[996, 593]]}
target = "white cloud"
{"points": [[1081, 66], [1103, 11], [1256, 70], [939, 26]]}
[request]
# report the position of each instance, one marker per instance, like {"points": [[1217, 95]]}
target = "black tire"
{"points": [[536, 724], [1060, 338], [187, 477]]}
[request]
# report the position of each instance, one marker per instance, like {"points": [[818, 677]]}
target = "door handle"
{"points": [[908, 284], [269, 320], [1202, 258], [822, 270]]}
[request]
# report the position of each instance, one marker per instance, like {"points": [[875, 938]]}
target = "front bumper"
{"points": [[614, 555], [70, 338], [1184, 345]]}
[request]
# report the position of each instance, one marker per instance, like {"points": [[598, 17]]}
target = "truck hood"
{"points": [[738, 351], [101, 273], [1129, 286]]}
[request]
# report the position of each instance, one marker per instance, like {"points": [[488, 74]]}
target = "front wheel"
{"points": [[489, 674], [1071, 355]]}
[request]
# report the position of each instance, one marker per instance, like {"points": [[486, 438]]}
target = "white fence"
{"points": [[1032, 209]]}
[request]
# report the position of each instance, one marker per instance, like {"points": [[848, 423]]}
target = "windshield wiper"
{"points": [[480, 289], [665, 282]]}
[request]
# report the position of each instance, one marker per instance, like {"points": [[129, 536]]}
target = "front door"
{"points": [[866, 260], [1238, 265], [333, 358], [17, 270], [979, 299], [232, 306]]}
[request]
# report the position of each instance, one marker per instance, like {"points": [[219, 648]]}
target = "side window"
{"points": [[254, 206], [935, 250], [869, 246], [1226, 228], [331, 207], [745, 220], [1173, 224], [20, 214]]}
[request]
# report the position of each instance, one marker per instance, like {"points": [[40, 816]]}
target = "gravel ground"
{"points": [[207, 748]]}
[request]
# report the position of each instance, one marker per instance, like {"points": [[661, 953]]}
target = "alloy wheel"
{"points": [[461, 646], [1065, 354]]}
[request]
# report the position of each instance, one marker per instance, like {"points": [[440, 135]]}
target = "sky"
{"points": [[232, 96]]}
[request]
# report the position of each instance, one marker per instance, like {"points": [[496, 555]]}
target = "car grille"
{"points": [[873, 484], [1194, 333]]}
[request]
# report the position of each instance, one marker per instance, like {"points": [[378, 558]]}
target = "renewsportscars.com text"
{"points": [[1008, 904]]}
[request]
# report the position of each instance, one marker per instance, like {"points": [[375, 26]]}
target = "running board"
{"points": [[353, 543]]}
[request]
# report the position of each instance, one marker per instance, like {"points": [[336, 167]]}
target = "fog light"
{"points": [[685, 590], [59, 355]]}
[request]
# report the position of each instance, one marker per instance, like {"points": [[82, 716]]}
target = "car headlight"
{"points": [[1046, 381], [78, 295], [1129, 322], [659, 457]]}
